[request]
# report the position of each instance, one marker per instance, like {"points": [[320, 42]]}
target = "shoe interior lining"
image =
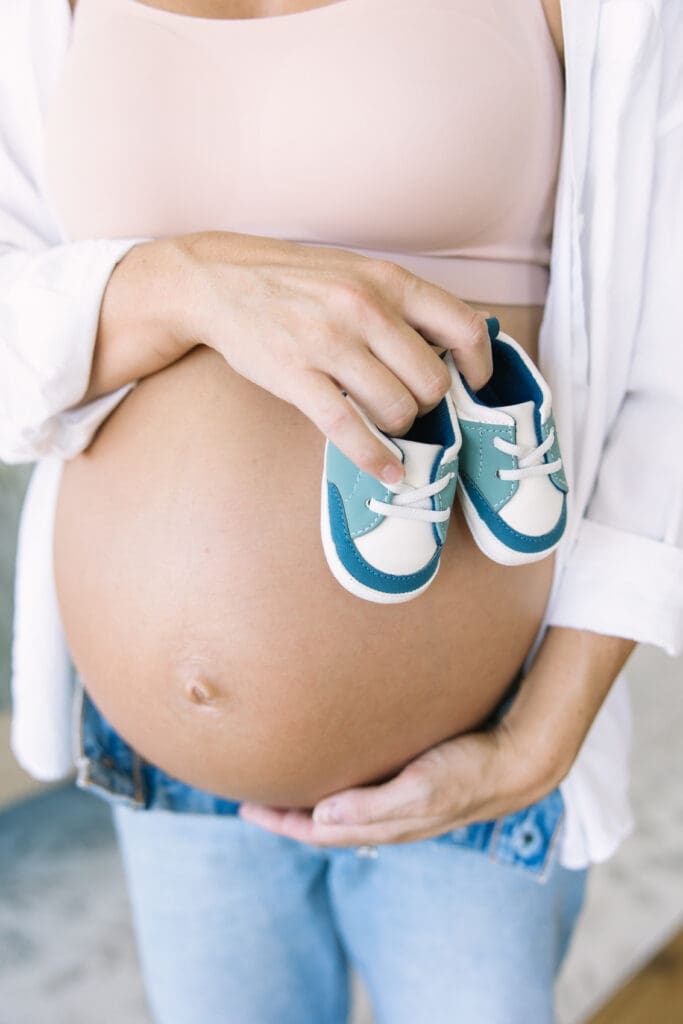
{"points": [[511, 381], [434, 427]]}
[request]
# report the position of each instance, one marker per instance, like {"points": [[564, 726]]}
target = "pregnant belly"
{"points": [[205, 623]]}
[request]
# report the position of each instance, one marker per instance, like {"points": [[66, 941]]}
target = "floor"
{"points": [[654, 995], [635, 900], [66, 947]]}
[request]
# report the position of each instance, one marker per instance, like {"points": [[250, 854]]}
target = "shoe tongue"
{"points": [[418, 459], [523, 415]]}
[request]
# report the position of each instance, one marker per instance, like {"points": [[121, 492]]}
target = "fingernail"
{"points": [[327, 814], [391, 473]]}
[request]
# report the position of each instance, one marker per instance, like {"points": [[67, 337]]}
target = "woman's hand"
{"points": [[467, 779], [305, 322], [481, 775]]}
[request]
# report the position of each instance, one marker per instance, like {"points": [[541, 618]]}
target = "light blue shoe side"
{"points": [[384, 544]]}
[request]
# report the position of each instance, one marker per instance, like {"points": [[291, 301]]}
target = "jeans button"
{"points": [[367, 851], [527, 838]]}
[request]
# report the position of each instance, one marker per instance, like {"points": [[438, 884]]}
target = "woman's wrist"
{"points": [[557, 703], [143, 318]]}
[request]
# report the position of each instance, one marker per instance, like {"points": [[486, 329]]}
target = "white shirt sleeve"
{"points": [[50, 288], [624, 573]]}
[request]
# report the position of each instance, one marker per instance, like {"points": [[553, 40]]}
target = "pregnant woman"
{"points": [[314, 198], [231, 657]]}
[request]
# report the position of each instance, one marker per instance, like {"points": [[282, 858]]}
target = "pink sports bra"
{"points": [[425, 131]]}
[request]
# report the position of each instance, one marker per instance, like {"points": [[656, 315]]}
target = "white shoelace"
{"points": [[413, 502], [529, 460]]}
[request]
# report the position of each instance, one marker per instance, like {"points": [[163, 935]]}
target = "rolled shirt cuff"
{"points": [[49, 316], [621, 584]]}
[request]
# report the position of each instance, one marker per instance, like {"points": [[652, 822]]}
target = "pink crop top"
{"points": [[424, 131]]}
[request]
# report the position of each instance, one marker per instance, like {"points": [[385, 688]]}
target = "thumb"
{"points": [[405, 793]]}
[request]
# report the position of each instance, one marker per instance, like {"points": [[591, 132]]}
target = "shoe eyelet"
{"points": [[498, 474], [367, 503]]}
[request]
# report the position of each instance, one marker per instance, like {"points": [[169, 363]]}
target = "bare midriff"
{"points": [[204, 621]]}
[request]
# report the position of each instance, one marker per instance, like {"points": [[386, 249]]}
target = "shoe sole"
{"points": [[342, 574], [488, 543]]}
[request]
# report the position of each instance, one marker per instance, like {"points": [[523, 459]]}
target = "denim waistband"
{"points": [[110, 768]]}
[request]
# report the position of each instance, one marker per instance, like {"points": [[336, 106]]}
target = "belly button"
{"points": [[197, 682], [200, 692]]}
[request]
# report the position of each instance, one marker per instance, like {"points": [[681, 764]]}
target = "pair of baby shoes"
{"points": [[497, 449]]}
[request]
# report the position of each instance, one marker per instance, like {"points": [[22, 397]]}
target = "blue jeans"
{"points": [[236, 925]]}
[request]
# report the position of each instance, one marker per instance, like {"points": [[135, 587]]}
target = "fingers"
{"points": [[385, 399], [441, 319], [400, 376], [414, 363], [407, 795], [445, 320], [387, 362], [301, 826], [322, 401]]}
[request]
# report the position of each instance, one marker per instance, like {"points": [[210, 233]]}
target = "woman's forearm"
{"points": [[559, 699], [141, 323], [309, 324]]}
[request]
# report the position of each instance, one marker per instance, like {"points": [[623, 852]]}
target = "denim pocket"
{"points": [[105, 763], [526, 839], [166, 793]]}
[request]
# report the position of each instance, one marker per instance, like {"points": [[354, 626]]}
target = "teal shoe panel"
{"points": [[355, 488], [479, 460], [359, 568]]}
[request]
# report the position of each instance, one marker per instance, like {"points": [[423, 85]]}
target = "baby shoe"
{"points": [[383, 541], [512, 486]]}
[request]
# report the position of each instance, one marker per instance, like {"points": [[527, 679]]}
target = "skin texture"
{"points": [[216, 706]]}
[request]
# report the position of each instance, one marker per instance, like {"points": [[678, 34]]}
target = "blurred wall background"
{"points": [[13, 481]]}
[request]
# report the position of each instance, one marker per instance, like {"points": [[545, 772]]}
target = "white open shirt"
{"points": [[610, 347]]}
